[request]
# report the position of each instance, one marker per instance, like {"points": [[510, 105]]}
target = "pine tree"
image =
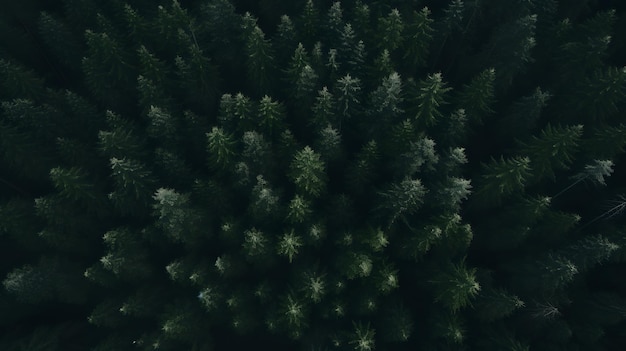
{"points": [[524, 113], [420, 157], [586, 46], [236, 112], [260, 60], [553, 150], [402, 198], [546, 273], [455, 285], [607, 141], [334, 24], [390, 29], [429, 96], [347, 90], [595, 172], [590, 251], [222, 29], [477, 98], [606, 93], [350, 51], [363, 338], [126, 258], [285, 38], [382, 66], [386, 100], [509, 50], [220, 147], [52, 278], [418, 34], [107, 68], [447, 328], [151, 81], [257, 153], [454, 191], [301, 76], [495, 304], [199, 76], [309, 23], [176, 218], [271, 116], [328, 143], [257, 247], [307, 171], [18, 82], [361, 20], [502, 178], [134, 184], [324, 109], [59, 39], [73, 184]]}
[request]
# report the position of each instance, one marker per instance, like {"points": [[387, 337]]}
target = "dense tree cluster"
{"points": [[312, 175]]}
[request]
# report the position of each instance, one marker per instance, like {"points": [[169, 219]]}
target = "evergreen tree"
{"points": [[51, 279], [606, 93], [402, 198], [524, 113], [455, 285], [386, 100], [390, 30], [553, 150], [348, 91], [502, 178], [430, 94], [511, 47], [418, 34], [260, 61], [220, 147], [494, 304], [477, 97], [307, 171]]}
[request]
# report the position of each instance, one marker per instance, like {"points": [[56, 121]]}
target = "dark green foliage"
{"points": [[107, 68], [347, 90], [402, 198], [503, 177], [220, 147], [132, 180], [553, 150], [307, 172], [312, 175], [478, 96], [606, 93], [523, 114], [51, 279], [429, 96], [510, 49], [418, 35], [494, 304], [386, 100], [390, 29], [455, 286], [259, 60], [18, 82]]}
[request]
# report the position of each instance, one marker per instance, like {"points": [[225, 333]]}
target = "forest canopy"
{"points": [[313, 175]]}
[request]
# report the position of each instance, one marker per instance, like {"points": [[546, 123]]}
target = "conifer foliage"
{"points": [[312, 175]]}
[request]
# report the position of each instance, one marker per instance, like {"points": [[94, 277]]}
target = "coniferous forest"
{"points": [[313, 175]]}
